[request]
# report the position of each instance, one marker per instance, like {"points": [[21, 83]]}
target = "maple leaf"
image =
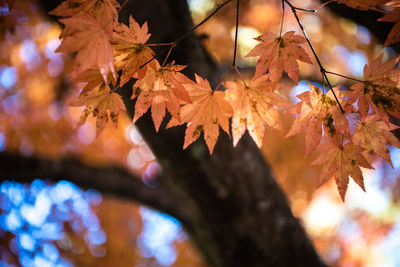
{"points": [[92, 79], [380, 89], [363, 4], [160, 88], [254, 106], [394, 34], [206, 113], [340, 162], [103, 104], [278, 54], [316, 111], [373, 135], [85, 35], [130, 51], [104, 10]]}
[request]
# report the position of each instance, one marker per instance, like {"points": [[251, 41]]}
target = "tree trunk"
{"points": [[234, 210]]}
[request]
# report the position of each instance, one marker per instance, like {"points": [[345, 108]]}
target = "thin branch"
{"points": [[283, 17], [223, 78], [305, 9], [167, 56], [122, 6], [160, 44], [344, 76], [180, 39], [236, 33], [323, 71], [202, 22]]}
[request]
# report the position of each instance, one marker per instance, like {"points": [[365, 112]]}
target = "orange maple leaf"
{"points": [[374, 135], [102, 103], [206, 113], [85, 35], [380, 89], [316, 111], [160, 88], [363, 4], [278, 54], [254, 106], [340, 162], [105, 9], [130, 51], [394, 34], [92, 79]]}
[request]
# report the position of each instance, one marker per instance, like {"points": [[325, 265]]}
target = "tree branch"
{"points": [[108, 180]]}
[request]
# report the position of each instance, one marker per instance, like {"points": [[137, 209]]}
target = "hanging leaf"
{"points": [[161, 88], [340, 162], [278, 54], [102, 104], [206, 113], [129, 47], [317, 111], [85, 35], [374, 135], [254, 106], [380, 89]]}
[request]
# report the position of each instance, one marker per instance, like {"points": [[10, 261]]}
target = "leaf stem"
{"points": [[344, 76], [202, 22], [122, 6], [160, 44], [169, 52], [283, 16], [236, 33], [240, 76], [180, 39], [323, 71], [223, 78]]}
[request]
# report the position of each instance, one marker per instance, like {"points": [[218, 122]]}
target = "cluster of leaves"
{"points": [[109, 54]]}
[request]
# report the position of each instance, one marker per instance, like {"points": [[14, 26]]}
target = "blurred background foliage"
{"points": [[43, 224]]}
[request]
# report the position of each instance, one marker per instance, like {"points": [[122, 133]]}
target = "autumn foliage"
{"points": [[109, 54]]}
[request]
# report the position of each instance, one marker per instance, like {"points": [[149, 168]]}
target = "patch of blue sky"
{"points": [[26, 261], [96, 237], [11, 221], [28, 51], [375, 201], [29, 215], [51, 47], [81, 206], [363, 35], [301, 87], [91, 222], [349, 227], [37, 214], [391, 246], [159, 232], [8, 76], [51, 252], [15, 192], [11, 104], [26, 242], [395, 155], [356, 60], [63, 191], [93, 196], [49, 231], [40, 261]]}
